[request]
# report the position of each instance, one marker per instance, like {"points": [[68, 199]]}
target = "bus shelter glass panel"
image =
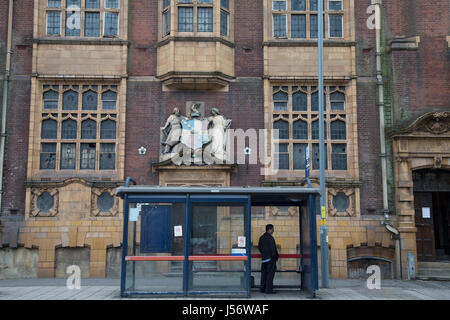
{"points": [[217, 249], [155, 253], [286, 222]]}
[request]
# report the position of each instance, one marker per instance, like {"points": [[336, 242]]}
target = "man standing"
{"points": [[269, 257]]}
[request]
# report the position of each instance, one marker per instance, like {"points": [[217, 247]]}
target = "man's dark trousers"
{"points": [[267, 273]]}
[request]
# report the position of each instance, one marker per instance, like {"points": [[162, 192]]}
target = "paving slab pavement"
{"points": [[108, 289]]}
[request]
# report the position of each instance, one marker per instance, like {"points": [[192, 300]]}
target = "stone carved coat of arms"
{"points": [[195, 134]]}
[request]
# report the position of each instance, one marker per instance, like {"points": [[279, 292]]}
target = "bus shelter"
{"points": [[194, 241]]}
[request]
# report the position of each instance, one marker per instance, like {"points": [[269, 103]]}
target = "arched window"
{"points": [[69, 129], [90, 100], [283, 128], [338, 131], [108, 129], [88, 129], [300, 130], [49, 129]]}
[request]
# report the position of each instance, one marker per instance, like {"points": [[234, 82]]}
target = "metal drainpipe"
{"points": [[5, 98], [395, 233]]}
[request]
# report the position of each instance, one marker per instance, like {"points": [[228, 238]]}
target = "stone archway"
{"points": [[424, 144]]}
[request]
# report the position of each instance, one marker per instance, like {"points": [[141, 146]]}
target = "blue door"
{"points": [[156, 229]]}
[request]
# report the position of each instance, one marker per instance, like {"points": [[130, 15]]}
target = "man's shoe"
{"points": [[271, 292]]}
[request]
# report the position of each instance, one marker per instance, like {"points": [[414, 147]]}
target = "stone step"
{"points": [[433, 272], [433, 278], [434, 265]]}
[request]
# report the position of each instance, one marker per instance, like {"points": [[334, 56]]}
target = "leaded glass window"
{"points": [[73, 27], [185, 19], [279, 26], [315, 100], [69, 129], [89, 129], [337, 101], [280, 101], [335, 5], [166, 22], [112, 4], [224, 23], [336, 26], [282, 156], [68, 155], [109, 100], [295, 117], [341, 202], [339, 156], [86, 14], [316, 157], [338, 131], [90, 100], [53, 23], [92, 4], [299, 101], [107, 156], [225, 4], [87, 157], [299, 153], [300, 130], [50, 99], [315, 130], [111, 24], [49, 129], [92, 24], [73, 3], [283, 129], [45, 202], [54, 3], [314, 27], [76, 144], [279, 5], [105, 202], [301, 16], [298, 26], [70, 100], [108, 129], [298, 5], [48, 156], [205, 19], [166, 3]]}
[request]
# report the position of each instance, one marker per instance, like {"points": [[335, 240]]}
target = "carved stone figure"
{"points": [[217, 131], [171, 132]]}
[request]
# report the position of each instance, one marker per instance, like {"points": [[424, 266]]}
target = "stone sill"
{"points": [[308, 43], [411, 43], [81, 41]]}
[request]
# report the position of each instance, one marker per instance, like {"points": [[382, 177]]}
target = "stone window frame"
{"points": [[95, 211], [102, 10], [169, 10], [311, 117], [35, 193], [351, 195], [79, 115], [288, 12]]}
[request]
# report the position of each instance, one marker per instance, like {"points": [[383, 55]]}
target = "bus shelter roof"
{"points": [[259, 196]]}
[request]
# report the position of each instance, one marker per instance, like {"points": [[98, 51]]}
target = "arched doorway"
{"points": [[432, 214], [420, 149]]}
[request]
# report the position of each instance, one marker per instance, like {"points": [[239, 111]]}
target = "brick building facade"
{"points": [[101, 89]]}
